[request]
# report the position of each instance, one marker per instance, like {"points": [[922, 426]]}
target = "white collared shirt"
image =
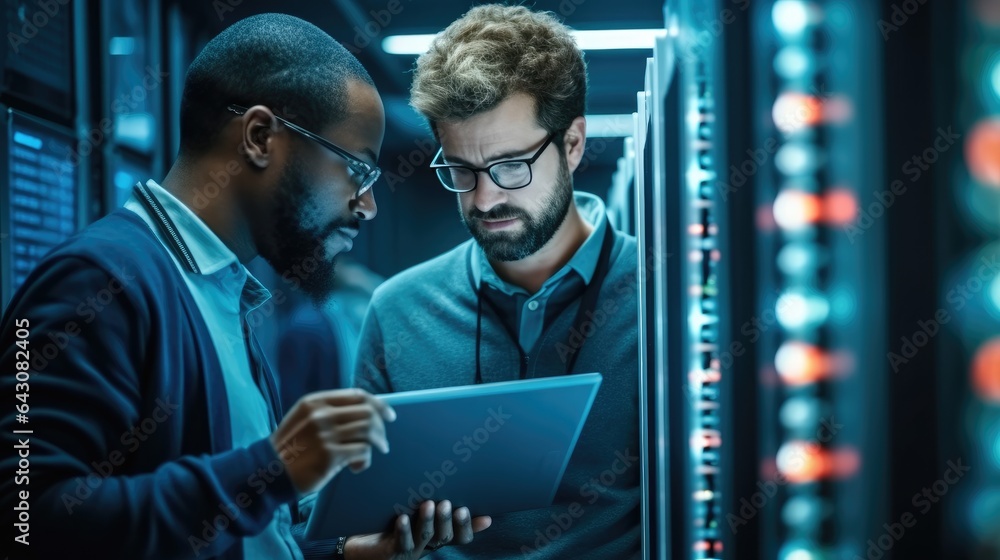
{"points": [[225, 293]]}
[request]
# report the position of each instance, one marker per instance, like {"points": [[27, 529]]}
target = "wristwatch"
{"points": [[338, 553]]}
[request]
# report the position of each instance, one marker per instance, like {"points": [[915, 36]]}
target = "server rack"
{"points": [[822, 371], [683, 287], [766, 424], [42, 106], [967, 370], [132, 96]]}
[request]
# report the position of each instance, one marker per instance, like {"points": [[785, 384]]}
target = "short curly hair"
{"points": [[494, 51], [276, 60]]}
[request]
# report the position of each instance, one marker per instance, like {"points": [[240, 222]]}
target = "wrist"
{"points": [[346, 548]]}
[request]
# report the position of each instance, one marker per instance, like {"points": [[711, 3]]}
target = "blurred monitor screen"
{"points": [[40, 207]]}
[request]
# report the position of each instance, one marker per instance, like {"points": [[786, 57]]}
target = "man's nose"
{"points": [[487, 194], [364, 206]]}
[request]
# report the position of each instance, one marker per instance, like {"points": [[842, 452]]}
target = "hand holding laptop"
{"points": [[435, 525], [493, 448], [329, 430]]}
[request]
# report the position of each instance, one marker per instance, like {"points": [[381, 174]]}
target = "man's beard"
{"points": [[301, 256], [537, 230]]}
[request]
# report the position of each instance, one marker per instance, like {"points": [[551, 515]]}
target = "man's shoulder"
{"points": [[120, 232], [447, 272], [629, 242], [625, 255], [120, 244], [117, 254]]}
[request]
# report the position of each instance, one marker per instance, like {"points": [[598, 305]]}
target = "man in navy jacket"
{"points": [[149, 425]]}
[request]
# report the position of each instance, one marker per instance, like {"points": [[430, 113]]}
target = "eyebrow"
{"points": [[492, 159]]}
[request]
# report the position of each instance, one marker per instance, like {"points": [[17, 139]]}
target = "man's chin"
{"points": [[320, 284], [494, 243], [503, 250], [314, 277]]}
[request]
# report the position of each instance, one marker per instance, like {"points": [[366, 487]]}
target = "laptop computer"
{"points": [[493, 448]]}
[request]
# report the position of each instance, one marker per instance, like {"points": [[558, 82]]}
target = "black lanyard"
{"points": [[588, 303]]}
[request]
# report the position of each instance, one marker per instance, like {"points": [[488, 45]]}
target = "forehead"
{"points": [[510, 126]]}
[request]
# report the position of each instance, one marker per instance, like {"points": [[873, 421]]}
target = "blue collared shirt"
{"points": [[225, 293], [526, 313]]}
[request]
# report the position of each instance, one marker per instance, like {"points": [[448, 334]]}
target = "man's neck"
{"points": [[215, 206], [531, 272]]}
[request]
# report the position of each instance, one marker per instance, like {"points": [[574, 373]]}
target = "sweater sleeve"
{"points": [[88, 345]]}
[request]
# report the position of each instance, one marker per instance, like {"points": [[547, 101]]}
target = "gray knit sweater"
{"points": [[420, 333]]}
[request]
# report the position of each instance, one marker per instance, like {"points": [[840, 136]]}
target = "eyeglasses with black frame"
{"points": [[363, 174], [509, 174]]}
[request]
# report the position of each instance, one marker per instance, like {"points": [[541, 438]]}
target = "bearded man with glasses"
{"points": [[157, 422], [545, 286]]}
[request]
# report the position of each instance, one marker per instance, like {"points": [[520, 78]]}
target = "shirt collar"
{"points": [[584, 261], [206, 248], [208, 251]]}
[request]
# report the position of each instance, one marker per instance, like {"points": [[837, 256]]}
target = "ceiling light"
{"points": [[609, 126], [590, 40]]}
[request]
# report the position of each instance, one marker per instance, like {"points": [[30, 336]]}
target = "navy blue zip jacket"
{"points": [[130, 452]]}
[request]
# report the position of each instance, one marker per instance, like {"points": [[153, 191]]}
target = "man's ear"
{"points": [[257, 135], [575, 142]]}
